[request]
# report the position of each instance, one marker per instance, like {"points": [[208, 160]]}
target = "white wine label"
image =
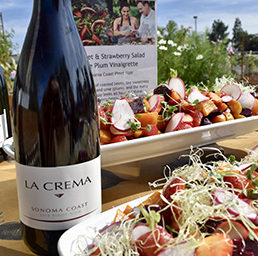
{"points": [[57, 198]]}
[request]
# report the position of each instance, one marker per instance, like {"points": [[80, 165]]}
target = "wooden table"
{"points": [[121, 184]]}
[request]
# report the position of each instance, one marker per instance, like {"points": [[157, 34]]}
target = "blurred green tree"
{"points": [[238, 34], [219, 31], [7, 47]]}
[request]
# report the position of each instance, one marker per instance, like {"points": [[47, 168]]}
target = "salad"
{"points": [[201, 209], [171, 108]]}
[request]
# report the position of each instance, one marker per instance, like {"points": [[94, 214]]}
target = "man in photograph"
{"points": [[147, 27]]}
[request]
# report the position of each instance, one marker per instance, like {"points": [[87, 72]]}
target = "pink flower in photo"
{"points": [[230, 49], [13, 74]]}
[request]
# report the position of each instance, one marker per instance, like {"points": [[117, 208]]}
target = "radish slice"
{"points": [[177, 85], [232, 90], [122, 113], [179, 250], [114, 131], [154, 102], [247, 100], [173, 123], [222, 196], [196, 95], [234, 229], [139, 230], [226, 98]]}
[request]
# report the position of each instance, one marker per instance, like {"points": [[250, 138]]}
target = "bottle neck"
{"points": [[51, 19], [51, 5]]}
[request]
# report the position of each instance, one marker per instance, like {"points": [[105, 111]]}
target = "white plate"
{"points": [[68, 242], [167, 143]]}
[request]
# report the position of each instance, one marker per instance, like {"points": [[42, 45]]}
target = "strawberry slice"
{"points": [[214, 245], [149, 243], [197, 117], [104, 120], [175, 186], [118, 138], [236, 181], [184, 126], [152, 129], [234, 229], [187, 119]]}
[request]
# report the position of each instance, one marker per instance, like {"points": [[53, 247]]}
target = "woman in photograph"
{"points": [[126, 26]]}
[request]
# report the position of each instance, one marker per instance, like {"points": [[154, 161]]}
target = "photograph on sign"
{"points": [[120, 41]]}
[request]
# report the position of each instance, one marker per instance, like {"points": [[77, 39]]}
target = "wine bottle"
{"points": [[55, 128], [5, 121]]}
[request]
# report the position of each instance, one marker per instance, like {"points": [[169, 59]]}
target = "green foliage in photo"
{"points": [[193, 56], [7, 62]]}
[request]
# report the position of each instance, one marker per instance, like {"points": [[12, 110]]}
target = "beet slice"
{"points": [[246, 112], [137, 105], [164, 90]]}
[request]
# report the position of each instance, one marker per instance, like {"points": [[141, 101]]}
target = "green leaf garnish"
{"points": [[255, 182], [196, 102], [232, 159], [172, 109], [108, 113], [103, 120], [168, 110], [250, 171], [108, 103], [171, 230], [148, 128], [251, 237], [253, 194], [148, 95], [134, 124], [173, 72], [152, 217]]}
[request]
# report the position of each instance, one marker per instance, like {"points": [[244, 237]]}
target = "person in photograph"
{"points": [[147, 27], [126, 26]]}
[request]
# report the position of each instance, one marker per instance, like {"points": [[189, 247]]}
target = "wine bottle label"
{"points": [[56, 198], [3, 128]]}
